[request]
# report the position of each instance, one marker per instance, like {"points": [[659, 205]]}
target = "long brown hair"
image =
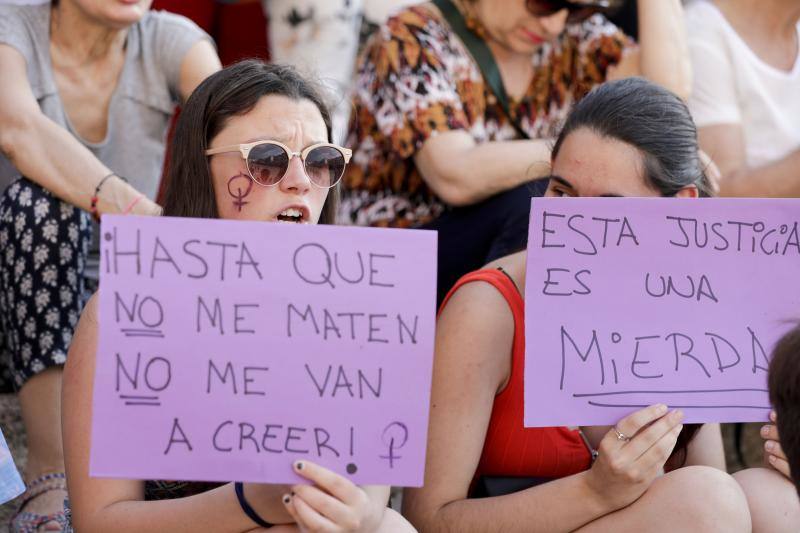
{"points": [[232, 91]]}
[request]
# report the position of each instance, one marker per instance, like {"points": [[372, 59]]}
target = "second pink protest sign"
{"points": [[633, 301]]}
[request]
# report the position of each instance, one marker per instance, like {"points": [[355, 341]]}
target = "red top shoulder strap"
{"points": [[501, 281]]}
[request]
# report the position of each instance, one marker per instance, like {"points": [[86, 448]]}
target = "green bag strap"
{"points": [[483, 57]]}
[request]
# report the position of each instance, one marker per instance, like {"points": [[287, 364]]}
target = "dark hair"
{"points": [[651, 119], [784, 394], [232, 91]]}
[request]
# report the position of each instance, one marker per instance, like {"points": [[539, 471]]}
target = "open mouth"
{"points": [[292, 215]]}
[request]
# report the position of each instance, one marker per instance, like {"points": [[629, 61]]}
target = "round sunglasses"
{"points": [[268, 161], [578, 9]]}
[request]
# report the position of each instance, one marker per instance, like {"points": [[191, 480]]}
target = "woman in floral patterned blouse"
{"points": [[432, 145]]}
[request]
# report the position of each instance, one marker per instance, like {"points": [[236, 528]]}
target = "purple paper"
{"points": [[636, 301], [228, 350]]}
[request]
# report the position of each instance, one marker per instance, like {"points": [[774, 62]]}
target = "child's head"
{"points": [[221, 166], [784, 393]]}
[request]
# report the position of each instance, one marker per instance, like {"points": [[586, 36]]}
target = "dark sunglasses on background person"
{"points": [[268, 161], [578, 9]]}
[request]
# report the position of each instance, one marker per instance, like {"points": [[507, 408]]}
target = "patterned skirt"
{"points": [[44, 244]]}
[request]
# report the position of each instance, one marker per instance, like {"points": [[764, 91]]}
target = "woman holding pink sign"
{"points": [[626, 138], [252, 143]]}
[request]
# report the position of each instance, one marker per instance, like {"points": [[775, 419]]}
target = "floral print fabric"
{"points": [[416, 78], [43, 247]]}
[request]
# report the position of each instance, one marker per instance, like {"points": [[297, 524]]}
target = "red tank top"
{"points": [[511, 449]]}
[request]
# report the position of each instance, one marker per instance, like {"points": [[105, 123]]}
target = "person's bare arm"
{"points": [[663, 52], [725, 144], [706, 448], [49, 155], [101, 504], [199, 63], [462, 172]]}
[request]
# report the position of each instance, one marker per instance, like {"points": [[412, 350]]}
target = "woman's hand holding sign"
{"points": [[773, 452], [333, 503], [632, 454]]}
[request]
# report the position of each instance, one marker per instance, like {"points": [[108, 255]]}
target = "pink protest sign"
{"points": [[229, 349], [636, 301]]}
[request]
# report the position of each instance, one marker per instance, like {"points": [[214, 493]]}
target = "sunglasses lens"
{"points": [[581, 14], [544, 8], [325, 166], [267, 163]]}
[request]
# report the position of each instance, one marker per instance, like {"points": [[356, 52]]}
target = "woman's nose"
{"points": [[296, 180]]}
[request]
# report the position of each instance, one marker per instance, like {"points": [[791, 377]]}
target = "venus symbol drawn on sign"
{"points": [[394, 437], [241, 190]]}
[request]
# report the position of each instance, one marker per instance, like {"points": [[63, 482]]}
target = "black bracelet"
{"points": [[96, 197], [239, 487]]}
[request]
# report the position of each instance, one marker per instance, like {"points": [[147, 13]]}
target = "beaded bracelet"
{"points": [[96, 196]]}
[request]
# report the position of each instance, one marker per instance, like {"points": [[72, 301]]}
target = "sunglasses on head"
{"points": [[578, 9], [268, 161]]}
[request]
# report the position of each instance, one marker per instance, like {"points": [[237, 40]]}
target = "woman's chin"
{"points": [[124, 16]]}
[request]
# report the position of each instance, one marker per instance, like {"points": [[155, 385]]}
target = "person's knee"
{"points": [[709, 499], [771, 498]]}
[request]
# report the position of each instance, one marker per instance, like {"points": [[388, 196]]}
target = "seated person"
{"points": [[625, 138], [248, 100], [435, 147], [773, 498]]}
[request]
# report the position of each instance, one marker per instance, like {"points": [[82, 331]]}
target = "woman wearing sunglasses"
{"points": [[252, 143], [626, 138], [456, 103]]}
